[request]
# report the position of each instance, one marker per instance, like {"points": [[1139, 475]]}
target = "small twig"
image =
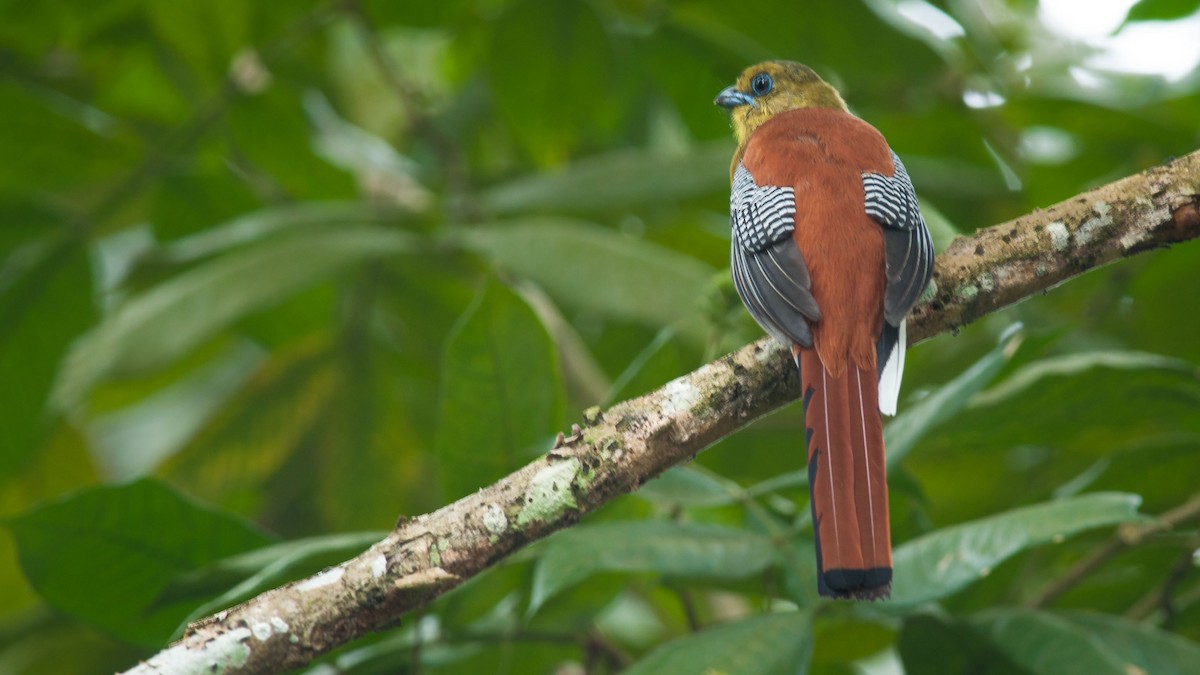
{"points": [[1160, 597], [689, 609], [1127, 536], [599, 644]]}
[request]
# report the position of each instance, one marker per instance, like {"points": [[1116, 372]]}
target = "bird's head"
{"points": [[769, 88]]}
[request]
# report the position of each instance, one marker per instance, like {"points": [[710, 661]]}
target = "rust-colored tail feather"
{"points": [[847, 478]]}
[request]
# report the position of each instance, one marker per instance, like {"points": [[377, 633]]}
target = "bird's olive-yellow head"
{"points": [[769, 88]]}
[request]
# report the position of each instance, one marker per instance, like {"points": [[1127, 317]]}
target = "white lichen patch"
{"points": [[279, 624], [226, 652], [329, 576], [1088, 229], [261, 630], [549, 492], [1152, 216], [987, 282], [764, 355], [378, 565], [1060, 237], [679, 395], [494, 521]]}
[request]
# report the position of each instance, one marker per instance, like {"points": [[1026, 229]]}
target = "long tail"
{"points": [[847, 478]]}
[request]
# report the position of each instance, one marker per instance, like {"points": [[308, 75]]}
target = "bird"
{"points": [[829, 253]]}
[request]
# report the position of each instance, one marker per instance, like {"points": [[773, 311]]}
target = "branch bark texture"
{"points": [[619, 449]]}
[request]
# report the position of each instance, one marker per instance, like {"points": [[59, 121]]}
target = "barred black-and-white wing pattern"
{"points": [[760, 215], [768, 270], [892, 202]]}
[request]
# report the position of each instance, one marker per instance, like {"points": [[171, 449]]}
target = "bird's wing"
{"points": [[768, 270], [892, 202]]}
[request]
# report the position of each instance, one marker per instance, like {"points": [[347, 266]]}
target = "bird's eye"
{"points": [[762, 84]]}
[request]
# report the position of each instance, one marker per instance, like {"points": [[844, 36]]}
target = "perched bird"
{"points": [[829, 254]]}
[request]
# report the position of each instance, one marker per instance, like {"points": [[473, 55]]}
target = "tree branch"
{"points": [[1127, 537], [638, 439]]}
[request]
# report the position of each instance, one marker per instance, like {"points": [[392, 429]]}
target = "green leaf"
{"points": [[591, 267], [263, 224], [1046, 644], [205, 34], [45, 302], [502, 395], [691, 485], [1160, 10], [1030, 377], [159, 325], [671, 549], [1150, 649], [620, 180], [132, 441], [559, 89], [943, 562], [768, 644], [105, 554], [934, 643], [911, 425]]}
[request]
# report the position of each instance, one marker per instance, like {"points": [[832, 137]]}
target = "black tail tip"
{"points": [[874, 583]]}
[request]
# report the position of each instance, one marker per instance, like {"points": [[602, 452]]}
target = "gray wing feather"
{"points": [[768, 270], [892, 202]]}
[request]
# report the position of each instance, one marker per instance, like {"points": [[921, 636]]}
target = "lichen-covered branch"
{"points": [[1012, 261], [619, 449]]}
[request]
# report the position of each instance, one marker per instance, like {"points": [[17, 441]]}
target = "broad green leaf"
{"points": [[43, 306], [624, 180], [670, 549], [557, 90], [934, 643], [257, 432], [273, 132], [104, 554], [1046, 644], [502, 397], [1068, 365], [1160, 10], [88, 145], [132, 441], [204, 34], [159, 325], [691, 485], [57, 646], [590, 267], [768, 644], [260, 225], [947, 560], [1045, 429], [907, 429], [1142, 645]]}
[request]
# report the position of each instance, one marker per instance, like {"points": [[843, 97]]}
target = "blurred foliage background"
{"points": [[272, 274]]}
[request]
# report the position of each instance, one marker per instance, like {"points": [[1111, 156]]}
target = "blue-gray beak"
{"points": [[732, 98]]}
